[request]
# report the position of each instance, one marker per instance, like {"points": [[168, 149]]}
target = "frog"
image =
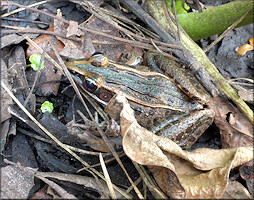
{"points": [[171, 104]]}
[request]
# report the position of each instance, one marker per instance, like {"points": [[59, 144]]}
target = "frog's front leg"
{"points": [[186, 130]]}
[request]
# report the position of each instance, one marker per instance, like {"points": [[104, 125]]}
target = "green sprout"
{"points": [[35, 62], [47, 107]]}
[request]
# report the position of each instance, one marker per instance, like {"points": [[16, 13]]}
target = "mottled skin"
{"points": [[170, 106]]}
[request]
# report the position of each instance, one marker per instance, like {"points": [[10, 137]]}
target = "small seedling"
{"points": [[47, 107], [35, 62]]}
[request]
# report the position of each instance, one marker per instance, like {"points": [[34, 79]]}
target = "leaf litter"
{"points": [[202, 173]]}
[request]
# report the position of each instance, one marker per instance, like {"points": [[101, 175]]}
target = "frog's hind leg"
{"points": [[186, 130]]}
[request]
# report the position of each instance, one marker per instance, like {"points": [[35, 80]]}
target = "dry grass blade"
{"points": [[92, 171], [13, 27], [104, 137], [164, 46], [108, 181], [21, 9], [106, 161], [157, 194], [81, 151], [97, 126]]}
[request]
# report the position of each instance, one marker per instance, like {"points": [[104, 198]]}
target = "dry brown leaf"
{"points": [[6, 100], [235, 132], [236, 190], [202, 173], [73, 29], [247, 95], [245, 48], [15, 183]]}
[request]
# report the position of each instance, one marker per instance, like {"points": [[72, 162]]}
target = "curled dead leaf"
{"points": [[202, 173], [245, 48], [251, 41]]}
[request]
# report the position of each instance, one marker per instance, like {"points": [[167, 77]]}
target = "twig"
{"points": [[37, 31], [156, 47], [37, 75], [108, 181], [21, 9], [24, 20], [92, 170], [130, 42], [177, 23], [169, 21], [106, 140]]}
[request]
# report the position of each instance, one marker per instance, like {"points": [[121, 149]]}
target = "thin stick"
{"points": [[21, 9], [37, 75], [177, 23], [108, 181], [92, 170], [97, 126], [130, 42]]}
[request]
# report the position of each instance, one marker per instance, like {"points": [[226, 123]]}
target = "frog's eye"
{"points": [[97, 53], [99, 60], [90, 85]]}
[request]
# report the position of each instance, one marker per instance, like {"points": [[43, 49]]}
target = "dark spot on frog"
{"points": [[105, 96], [155, 120], [138, 111], [151, 112], [195, 98], [184, 89]]}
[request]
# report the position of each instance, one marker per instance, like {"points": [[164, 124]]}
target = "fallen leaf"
{"points": [[41, 194], [251, 41], [245, 48], [73, 29], [202, 173], [15, 183], [247, 95], [234, 133], [236, 190], [6, 100], [246, 172]]}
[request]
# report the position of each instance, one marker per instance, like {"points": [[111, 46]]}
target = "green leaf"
{"points": [[178, 5], [47, 107], [35, 60]]}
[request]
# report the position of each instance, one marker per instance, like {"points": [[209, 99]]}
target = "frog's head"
{"points": [[88, 74]]}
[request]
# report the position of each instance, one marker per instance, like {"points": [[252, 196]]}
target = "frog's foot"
{"points": [[186, 130]]}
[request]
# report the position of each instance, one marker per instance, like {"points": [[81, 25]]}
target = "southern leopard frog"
{"points": [[170, 106]]}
